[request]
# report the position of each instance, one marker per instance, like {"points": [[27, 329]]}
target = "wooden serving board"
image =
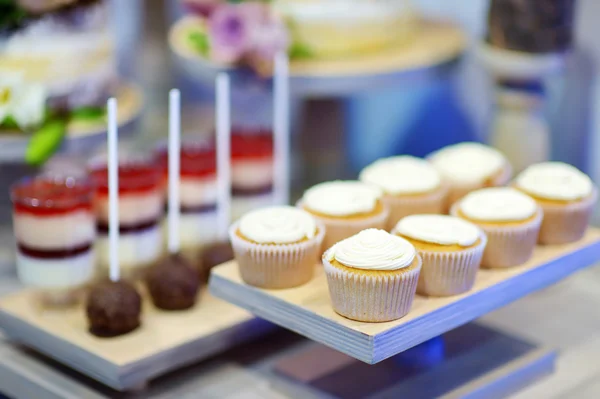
{"points": [[165, 341], [307, 309]]}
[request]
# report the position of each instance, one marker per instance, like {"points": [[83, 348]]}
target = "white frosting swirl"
{"points": [[373, 249], [439, 229], [467, 163], [402, 175], [498, 204], [277, 225], [555, 181], [341, 198]]}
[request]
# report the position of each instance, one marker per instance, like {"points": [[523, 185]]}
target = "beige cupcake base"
{"points": [[459, 191], [563, 224], [276, 266], [368, 298], [337, 229], [449, 273], [401, 206], [508, 246]]}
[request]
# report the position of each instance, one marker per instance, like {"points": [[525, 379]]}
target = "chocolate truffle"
{"points": [[173, 284], [113, 308], [214, 255]]}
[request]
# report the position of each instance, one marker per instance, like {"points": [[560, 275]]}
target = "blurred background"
{"points": [[343, 120]]}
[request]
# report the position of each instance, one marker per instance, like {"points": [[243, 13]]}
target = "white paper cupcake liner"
{"points": [[402, 206], [508, 246], [371, 298], [459, 191], [449, 273], [563, 224], [276, 266], [337, 229]]}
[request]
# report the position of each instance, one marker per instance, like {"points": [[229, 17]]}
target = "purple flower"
{"points": [[230, 33]]}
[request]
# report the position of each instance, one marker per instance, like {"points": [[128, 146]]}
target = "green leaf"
{"points": [[87, 113], [9, 123], [45, 141], [200, 42], [300, 51]]}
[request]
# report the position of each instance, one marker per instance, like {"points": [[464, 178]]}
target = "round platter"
{"points": [[437, 44], [80, 135]]}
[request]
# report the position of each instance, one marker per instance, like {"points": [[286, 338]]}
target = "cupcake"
{"points": [[410, 186], [277, 247], [372, 276], [345, 208], [567, 197], [510, 219], [470, 166], [451, 250]]}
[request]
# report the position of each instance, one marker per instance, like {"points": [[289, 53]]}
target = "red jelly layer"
{"points": [[197, 159], [133, 178], [251, 143], [61, 253], [50, 196]]}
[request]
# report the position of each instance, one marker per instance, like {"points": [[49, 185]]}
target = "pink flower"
{"points": [[229, 33], [269, 39], [202, 7]]}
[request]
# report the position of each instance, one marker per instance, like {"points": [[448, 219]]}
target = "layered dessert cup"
{"points": [[141, 199], [251, 171], [197, 196], [54, 226]]}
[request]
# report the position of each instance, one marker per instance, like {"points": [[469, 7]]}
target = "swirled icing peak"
{"points": [[439, 229], [468, 163], [555, 181], [500, 204], [278, 225], [402, 175], [373, 249], [341, 198]]}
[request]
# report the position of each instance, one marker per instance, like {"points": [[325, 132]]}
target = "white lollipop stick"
{"points": [[174, 166], [113, 191], [223, 156], [281, 130]]}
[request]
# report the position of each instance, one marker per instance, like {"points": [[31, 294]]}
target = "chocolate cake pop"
{"points": [[214, 255], [113, 308], [173, 284]]}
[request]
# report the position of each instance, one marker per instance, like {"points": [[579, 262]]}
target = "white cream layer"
{"points": [[251, 173], [195, 229], [195, 192], [402, 175], [373, 249], [135, 249], [439, 229], [278, 225], [342, 198], [333, 11], [501, 204], [555, 181], [241, 205], [468, 163], [55, 232], [68, 272], [133, 208]]}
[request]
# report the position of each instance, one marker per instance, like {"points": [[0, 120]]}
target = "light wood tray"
{"points": [[307, 309], [165, 341]]}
